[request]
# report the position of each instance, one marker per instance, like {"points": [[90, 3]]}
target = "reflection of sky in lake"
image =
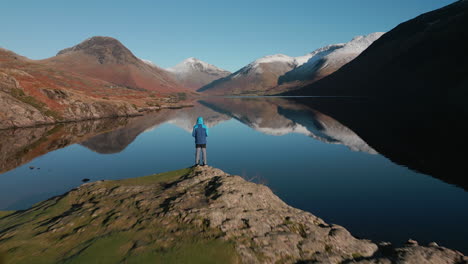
{"points": [[367, 193]]}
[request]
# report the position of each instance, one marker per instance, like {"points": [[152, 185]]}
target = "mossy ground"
{"points": [[5, 213], [42, 107], [110, 222]]}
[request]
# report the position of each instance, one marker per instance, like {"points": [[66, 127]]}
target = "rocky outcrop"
{"points": [[262, 226], [18, 109], [412, 253], [14, 112], [32, 106], [201, 210]]}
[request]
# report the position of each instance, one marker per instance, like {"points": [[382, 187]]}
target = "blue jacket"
{"points": [[200, 132]]}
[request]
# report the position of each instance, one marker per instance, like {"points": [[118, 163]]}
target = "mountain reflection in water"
{"points": [[272, 116], [324, 155], [277, 116], [106, 136]]}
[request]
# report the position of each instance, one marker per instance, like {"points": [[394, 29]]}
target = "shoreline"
{"points": [[144, 110]]}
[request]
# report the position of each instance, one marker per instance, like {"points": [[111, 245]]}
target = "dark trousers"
{"points": [[200, 148]]}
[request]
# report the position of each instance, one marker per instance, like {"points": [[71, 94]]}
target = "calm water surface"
{"points": [[309, 159]]}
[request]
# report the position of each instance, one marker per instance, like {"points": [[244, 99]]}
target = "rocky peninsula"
{"points": [[193, 215]]}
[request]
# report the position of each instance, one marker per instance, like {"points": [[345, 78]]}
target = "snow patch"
{"points": [[194, 64], [150, 63], [359, 43], [303, 59], [295, 62], [333, 56], [274, 58]]}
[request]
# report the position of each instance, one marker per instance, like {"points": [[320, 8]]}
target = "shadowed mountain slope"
{"points": [[425, 57]]}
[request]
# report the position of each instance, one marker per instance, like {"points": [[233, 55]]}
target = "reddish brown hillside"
{"points": [[107, 59], [33, 93]]}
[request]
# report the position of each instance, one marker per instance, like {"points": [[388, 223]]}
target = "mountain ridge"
{"points": [[424, 57], [276, 73], [193, 73], [106, 58]]}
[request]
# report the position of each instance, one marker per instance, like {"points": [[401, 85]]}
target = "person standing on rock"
{"points": [[200, 132]]}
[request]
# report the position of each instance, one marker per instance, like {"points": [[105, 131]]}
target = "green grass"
{"points": [[108, 249], [5, 213], [214, 251], [117, 248], [30, 100], [152, 179], [122, 233]]}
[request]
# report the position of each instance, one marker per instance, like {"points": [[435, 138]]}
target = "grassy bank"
{"points": [[111, 222]]}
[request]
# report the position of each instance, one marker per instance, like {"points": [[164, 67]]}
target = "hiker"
{"points": [[200, 132]]}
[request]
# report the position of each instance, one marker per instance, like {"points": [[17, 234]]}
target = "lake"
{"points": [[343, 166]]}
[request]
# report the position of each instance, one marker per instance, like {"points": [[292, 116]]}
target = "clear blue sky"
{"points": [[228, 34]]}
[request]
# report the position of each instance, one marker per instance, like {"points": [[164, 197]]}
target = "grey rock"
{"points": [[279, 232], [262, 228], [18, 109]]}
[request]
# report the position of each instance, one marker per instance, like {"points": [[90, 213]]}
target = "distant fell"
{"points": [[107, 59], [193, 73]]}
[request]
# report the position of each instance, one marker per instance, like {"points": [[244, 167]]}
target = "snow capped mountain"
{"points": [[359, 43], [266, 73], [329, 59], [292, 62], [274, 58], [254, 78], [350, 50], [282, 62], [194, 73], [323, 50], [192, 63]]}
